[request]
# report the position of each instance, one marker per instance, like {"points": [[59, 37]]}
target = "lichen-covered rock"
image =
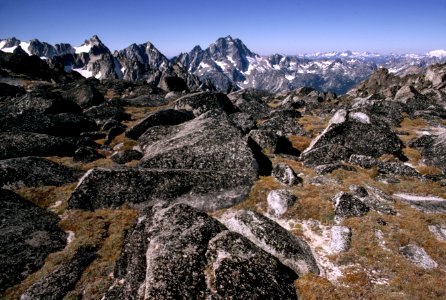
{"points": [[107, 110], [433, 149], [292, 251], [283, 122], [87, 154], [352, 133], [202, 102], [242, 271], [34, 172], [266, 139], [27, 235], [209, 190], [209, 142], [243, 121], [19, 144], [279, 201], [418, 256], [59, 282], [346, 206], [286, 175], [84, 94], [340, 239], [364, 161], [161, 117], [126, 156], [178, 252]]}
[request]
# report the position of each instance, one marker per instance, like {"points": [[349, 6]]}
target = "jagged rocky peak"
{"points": [[137, 62], [93, 45], [233, 50]]}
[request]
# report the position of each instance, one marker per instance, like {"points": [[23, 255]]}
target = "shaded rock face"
{"points": [[418, 256], [59, 282], [173, 84], [34, 172], [20, 144], [27, 235], [286, 175], [159, 118], [178, 252], [86, 154], [209, 190], [84, 94], [292, 251], [433, 149], [351, 133], [202, 102]]}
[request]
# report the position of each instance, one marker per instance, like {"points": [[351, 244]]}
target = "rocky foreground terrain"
{"points": [[114, 189]]}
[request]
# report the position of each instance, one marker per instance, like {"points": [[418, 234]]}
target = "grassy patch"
{"points": [[47, 196], [102, 228]]}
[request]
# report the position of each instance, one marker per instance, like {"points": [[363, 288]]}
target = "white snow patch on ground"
{"points": [[2, 44], [204, 65], [84, 73], [276, 67], [410, 197], [25, 47], [221, 64], [230, 59], [9, 50], [290, 77], [82, 49]]}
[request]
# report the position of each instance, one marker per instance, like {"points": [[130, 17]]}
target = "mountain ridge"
{"points": [[227, 63]]}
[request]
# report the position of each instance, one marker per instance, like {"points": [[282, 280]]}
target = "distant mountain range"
{"points": [[227, 64]]}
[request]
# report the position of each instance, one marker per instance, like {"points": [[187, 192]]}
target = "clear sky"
{"points": [[266, 27]]}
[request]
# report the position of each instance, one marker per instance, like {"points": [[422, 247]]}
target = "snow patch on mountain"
{"points": [[83, 49]]}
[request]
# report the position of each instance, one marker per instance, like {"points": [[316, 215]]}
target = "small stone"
{"points": [[418, 256], [279, 201], [347, 205], [341, 239]]}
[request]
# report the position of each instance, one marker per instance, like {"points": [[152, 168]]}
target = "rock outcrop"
{"points": [[59, 282], [19, 144], [34, 172], [176, 252], [27, 235], [292, 251], [351, 133]]}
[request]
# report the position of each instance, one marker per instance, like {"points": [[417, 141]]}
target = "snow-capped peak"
{"points": [[437, 53]]}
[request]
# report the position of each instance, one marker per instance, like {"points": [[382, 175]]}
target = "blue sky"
{"points": [[266, 27]]}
